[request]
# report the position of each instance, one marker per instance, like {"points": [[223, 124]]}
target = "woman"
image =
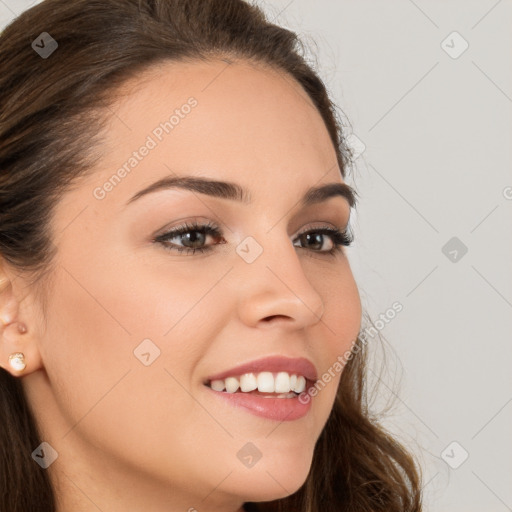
{"points": [[180, 324]]}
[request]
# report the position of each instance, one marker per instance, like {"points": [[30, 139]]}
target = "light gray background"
{"points": [[436, 165]]}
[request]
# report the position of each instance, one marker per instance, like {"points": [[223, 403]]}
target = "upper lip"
{"points": [[293, 365]]}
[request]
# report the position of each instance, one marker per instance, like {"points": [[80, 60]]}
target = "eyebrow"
{"points": [[233, 191]]}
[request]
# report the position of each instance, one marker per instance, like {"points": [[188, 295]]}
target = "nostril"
{"points": [[270, 318]]}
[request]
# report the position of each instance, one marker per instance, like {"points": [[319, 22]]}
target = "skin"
{"points": [[135, 437]]}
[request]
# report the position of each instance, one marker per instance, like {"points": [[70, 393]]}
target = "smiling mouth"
{"points": [[264, 384], [288, 394]]}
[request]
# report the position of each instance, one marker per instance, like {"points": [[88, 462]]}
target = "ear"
{"points": [[16, 333]]}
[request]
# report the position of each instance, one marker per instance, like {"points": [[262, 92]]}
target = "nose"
{"points": [[275, 289]]}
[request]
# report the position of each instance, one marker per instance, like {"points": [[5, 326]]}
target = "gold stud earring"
{"points": [[17, 361]]}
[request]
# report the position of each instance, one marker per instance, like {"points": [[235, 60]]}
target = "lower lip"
{"points": [[278, 409]]}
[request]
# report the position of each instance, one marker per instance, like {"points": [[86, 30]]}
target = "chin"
{"points": [[270, 489], [274, 480]]}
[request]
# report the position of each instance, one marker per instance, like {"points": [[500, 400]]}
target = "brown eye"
{"points": [[192, 237], [314, 239]]}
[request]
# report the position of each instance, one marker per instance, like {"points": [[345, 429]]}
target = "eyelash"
{"points": [[339, 238]]}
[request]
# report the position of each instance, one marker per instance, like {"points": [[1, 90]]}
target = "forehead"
{"points": [[248, 123]]}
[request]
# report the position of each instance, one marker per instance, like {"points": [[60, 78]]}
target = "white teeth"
{"points": [[232, 384], [301, 384], [282, 383], [217, 385], [266, 382], [248, 382]]}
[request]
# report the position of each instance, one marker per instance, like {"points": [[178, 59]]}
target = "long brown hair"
{"points": [[51, 111]]}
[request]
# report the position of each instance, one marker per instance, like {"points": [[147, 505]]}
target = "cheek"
{"points": [[102, 324], [349, 307], [105, 393], [342, 318], [339, 328]]}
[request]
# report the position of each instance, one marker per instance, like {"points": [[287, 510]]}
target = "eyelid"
{"points": [[186, 223], [323, 225], [208, 225], [340, 237]]}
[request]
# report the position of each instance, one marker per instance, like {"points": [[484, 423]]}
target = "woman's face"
{"points": [[134, 328]]}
